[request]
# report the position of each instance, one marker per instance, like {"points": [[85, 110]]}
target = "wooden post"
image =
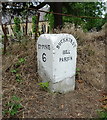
{"points": [[5, 38], [37, 25], [26, 25], [37, 29]]}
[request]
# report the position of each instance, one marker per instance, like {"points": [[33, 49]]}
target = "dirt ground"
{"points": [[83, 102]]}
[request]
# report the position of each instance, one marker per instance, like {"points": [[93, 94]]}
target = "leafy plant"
{"points": [[18, 78], [44, 85], [17, 28], [50, 18], [102, 114], [14, 109], [15, 98], [78, 71], [17, 24], [17, 65], [34, 21], [13, 106], [21, 60], [14, 71]]}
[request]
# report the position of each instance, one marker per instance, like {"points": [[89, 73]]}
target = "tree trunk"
{"points": [[5, 38], [57, 8]]}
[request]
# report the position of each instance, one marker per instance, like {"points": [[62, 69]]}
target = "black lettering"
{"points": [[46, 47], [71, 58], [49, 47], [44, 57], [66, 51], [60, 59], [39, 46], [65, 59], [65, 40], [74, 45], [58, 46]]}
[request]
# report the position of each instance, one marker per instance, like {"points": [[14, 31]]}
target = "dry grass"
{"points": [[91, 54], [41, 104]]}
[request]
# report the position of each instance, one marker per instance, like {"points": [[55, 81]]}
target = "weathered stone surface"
{"points": [[63, 86], [56, 54]]}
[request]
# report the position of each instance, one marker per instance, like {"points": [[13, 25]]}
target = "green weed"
{"points": [[21, 60], [15, 98], [78, 71], [102, 114], [13, 106], [44, 85], [18, 78], [14, 71]]}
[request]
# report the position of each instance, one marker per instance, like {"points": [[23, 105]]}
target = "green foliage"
{"points": [[13, 106], [24, 14], [34, 21], [17, 25], [44, 85], [89, 9], [102, 114], [15, 98], [17, 28], [78, 71], [50, 18], [18, 78], [21, 60], [14, 71], [2, 36]]}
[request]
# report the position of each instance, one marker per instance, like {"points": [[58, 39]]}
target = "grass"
{"points": [[19, 53]]}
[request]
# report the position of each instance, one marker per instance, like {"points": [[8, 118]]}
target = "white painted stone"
{"points": [[56, 54]]}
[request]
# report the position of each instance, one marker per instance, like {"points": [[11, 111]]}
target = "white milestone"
{"points": [[56, 55]]}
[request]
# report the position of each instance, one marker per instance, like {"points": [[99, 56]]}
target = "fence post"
{"points": [[26, 25], [5, 38], [37, 25]]}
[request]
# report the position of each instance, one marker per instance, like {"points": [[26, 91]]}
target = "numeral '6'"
{"points": [[44, 57]]}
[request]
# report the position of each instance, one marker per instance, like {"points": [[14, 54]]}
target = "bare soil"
{"points": [[83, 102]]}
